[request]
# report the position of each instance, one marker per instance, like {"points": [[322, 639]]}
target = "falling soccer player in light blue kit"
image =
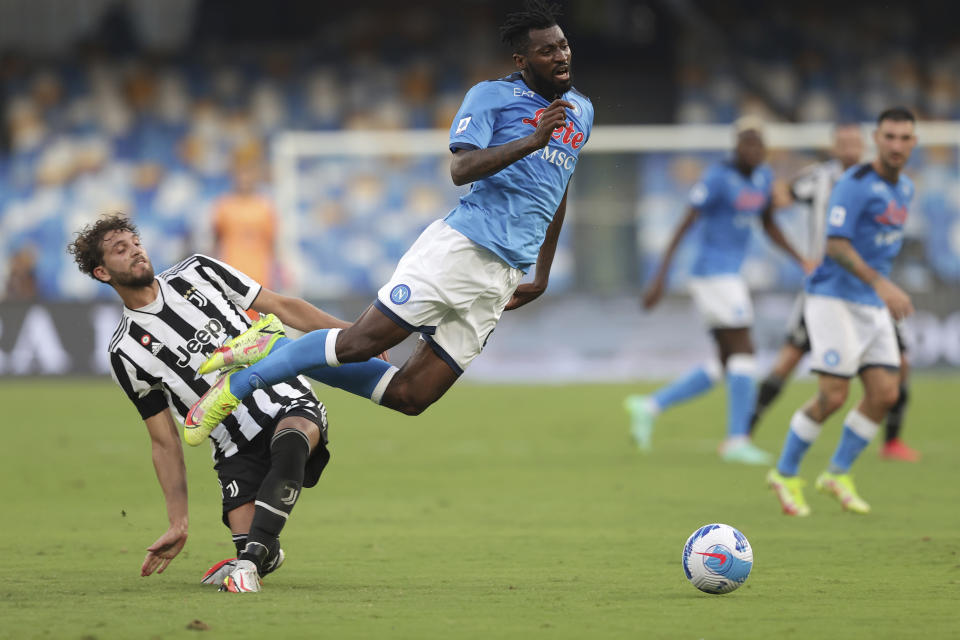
{"points": [[850, 310], [729, 197], [518, 140]]}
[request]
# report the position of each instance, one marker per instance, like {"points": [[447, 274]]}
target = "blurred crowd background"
{"points": [[167, 111]]}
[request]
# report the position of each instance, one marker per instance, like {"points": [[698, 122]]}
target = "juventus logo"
{"points": [[197, 298], [290, 492], [231, 489]]}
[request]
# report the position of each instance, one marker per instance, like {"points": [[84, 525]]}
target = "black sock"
{"points": [[278, 493], [895, 417], [239, 541], [769, 390]]}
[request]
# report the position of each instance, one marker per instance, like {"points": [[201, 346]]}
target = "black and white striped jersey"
{"points": [[156, 350], [812, 187]]}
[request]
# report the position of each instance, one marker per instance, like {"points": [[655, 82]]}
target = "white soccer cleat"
{"points": [[243, 579], [219, 571]]}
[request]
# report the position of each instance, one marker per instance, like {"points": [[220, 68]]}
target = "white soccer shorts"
{"points": [[846, 337], [451, 290], [723, 301]]}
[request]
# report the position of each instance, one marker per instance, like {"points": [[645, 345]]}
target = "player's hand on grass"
{"points": [[896, 299], [527, 292], [553, 117], [165, 549], [653, 294]]}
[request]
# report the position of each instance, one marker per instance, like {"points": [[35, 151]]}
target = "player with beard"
{"points": [[267, 449], [812, 188], [517, 139], [850, 309]]}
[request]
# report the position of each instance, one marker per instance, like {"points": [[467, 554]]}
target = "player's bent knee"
{"points": [[308, 428], [403, 397]]}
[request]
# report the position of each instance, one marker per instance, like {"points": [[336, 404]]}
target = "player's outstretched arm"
{"points": [[841, 251], [655, 291], [295, 312], [470, 165], [530, 291], [772, 229], [172, 475]]}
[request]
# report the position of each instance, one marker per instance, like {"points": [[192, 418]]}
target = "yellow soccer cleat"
{"points": [[250, 346], [840, 486], [209, 411], [789, 490]]}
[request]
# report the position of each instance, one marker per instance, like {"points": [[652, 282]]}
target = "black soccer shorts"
{"points": [[241, 475]]}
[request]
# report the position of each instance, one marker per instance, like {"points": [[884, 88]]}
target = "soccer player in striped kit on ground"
{"points": [[729, 197], [850, 310], [266, 450]]}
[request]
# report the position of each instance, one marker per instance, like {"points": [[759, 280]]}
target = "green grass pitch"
{"points": [[503, 512]]}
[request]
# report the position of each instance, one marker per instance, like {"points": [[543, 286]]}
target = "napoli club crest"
{"points": [[831, 358], [400, 294]]}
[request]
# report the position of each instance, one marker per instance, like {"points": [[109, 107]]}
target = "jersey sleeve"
{"points": [[235, 285], [846, 204], [472, 127], [707, 191], [143, 390]]}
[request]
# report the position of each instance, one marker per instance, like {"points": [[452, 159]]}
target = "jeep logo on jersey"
{"points": [[202, 338], [566, 135]]}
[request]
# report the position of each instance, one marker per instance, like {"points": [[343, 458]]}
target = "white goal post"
{"points": [[288, 148]]}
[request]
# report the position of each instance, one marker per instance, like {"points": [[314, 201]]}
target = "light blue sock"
{"points": [[741, 393], [794, 448], [283, 363], [858, 431], [359, 378], [689, 386], [803, 431]]}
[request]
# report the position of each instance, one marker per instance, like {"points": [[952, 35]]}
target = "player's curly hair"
{"points": [[87, 248], [536, 14]]}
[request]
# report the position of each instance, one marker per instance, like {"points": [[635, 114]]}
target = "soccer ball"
{"points": [[717, 558]]}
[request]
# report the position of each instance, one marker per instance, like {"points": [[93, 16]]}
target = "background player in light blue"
{"points": [[850, 310], [518, 140], [729, 198]]}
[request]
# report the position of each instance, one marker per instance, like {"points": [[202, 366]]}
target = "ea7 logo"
{"points": [[203, 337]]}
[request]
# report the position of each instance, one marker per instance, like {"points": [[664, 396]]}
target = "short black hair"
{"points": [[536, 14], [87, 248], [897, 114]]}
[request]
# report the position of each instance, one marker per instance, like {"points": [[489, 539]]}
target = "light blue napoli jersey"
{"points": [[728, 202], [509, 212], [870, 212]]}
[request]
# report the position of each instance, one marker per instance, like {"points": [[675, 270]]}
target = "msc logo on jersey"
{"points": [[400, 294], [462, 125]]}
